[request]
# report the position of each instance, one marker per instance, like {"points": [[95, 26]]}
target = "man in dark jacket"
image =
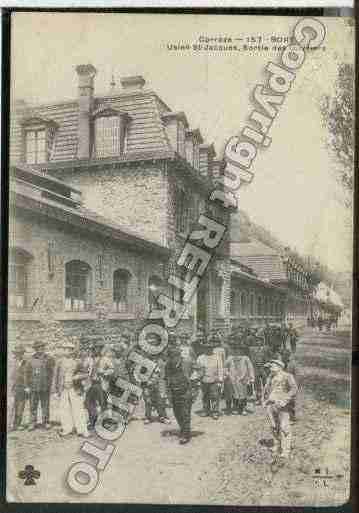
{"points": [[19, 386], [293, 337], [178, 381], [39, 375]]}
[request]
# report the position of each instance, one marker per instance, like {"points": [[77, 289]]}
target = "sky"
{"points": [[294, 192]]}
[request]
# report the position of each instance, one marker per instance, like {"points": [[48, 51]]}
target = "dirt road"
{"points": [[227, 461]]}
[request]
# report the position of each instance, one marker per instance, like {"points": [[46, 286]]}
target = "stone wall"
{"points": [[133, 196]]}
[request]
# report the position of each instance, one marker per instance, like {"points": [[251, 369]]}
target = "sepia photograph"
{"points": [[180, 256]]}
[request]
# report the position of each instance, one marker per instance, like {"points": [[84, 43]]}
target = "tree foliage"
{"points": [[338, 116]]}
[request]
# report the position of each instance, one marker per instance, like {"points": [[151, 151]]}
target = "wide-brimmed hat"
{"points": [[214, 340], [173, 349], [19, 349], [209, 342], [277, 362], [80, 375], [200, 334], [172, 337], [234, 340], [119, 348], [38, 343], [67, 345]]}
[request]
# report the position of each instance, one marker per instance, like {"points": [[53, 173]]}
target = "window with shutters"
{"points": [[39, 136], [108, 136], [19, 262]]}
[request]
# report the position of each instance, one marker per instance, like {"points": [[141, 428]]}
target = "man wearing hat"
{"points": [[211, 376], [19, 386], [197, 342], [239, 376], [69, 374], [178, 380], [188, 354], [154, 390], [279, 391], [39, 375], [259, 355]]}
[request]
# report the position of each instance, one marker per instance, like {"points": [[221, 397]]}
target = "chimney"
{"points": [[176, 124], [86, 74], [132, 84], [192, 142]]}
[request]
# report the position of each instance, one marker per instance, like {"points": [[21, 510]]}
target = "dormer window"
{"points": [[39, 134], [109, 133], [36, 146], [107, 136]]}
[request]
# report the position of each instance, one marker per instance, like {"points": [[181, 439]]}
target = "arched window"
{"points": [[265, 306], [121, 283], [233, 302], [276, 307], [155, 288], [251, 305], [244, 305], [182, 211], [18, 278], [281, 308], [272, 306], [260, 305], [78, 286]]}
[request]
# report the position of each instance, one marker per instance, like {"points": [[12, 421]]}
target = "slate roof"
{"points": [[265, 261], [146, 133]]}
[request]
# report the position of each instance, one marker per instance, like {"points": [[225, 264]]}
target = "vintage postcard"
{"points": [[180, 259]]}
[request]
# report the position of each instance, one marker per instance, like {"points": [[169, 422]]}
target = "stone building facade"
{"points": [[105, 190], [288, 297], [106, 185]]}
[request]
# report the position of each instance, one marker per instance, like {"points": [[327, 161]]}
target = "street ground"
{"points": [[227, 462]]}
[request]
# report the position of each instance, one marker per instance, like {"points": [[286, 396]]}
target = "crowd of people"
{"points": [[250, 366]]}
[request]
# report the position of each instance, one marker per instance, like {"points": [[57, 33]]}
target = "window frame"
{"points": [[123, 118], [182, 208], [244, 304], [127, 302], [15, 291], [88, 296], [154, 304], [37, 125], [252, 305]]}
